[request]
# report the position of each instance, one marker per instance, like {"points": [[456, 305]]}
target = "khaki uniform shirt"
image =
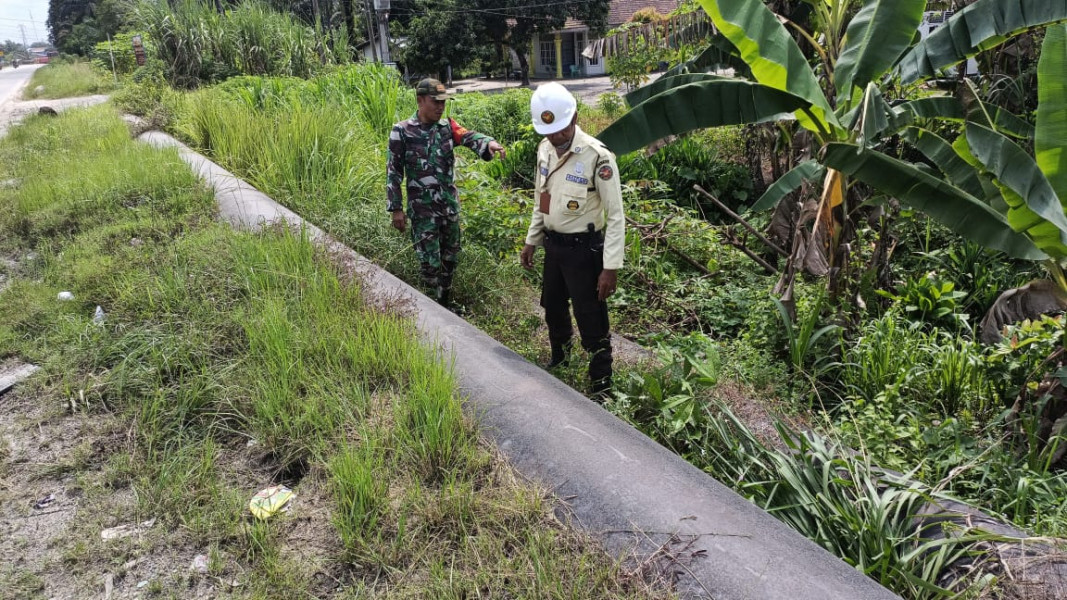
{"points": [[583, 187]]}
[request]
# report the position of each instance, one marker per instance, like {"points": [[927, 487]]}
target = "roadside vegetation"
{"points": [[895, 214], [223, 363]]}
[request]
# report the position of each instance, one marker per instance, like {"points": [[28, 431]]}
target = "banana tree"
{"points": [[842, 100], [984, 169]]}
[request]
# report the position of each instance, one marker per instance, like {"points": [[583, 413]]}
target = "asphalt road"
{"points": [[12, 80]]}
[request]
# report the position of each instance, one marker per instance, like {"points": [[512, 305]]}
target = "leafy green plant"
{"points": [[630, 69], [688, 162], [667, 402], [803, 336], [611, 104], [928, 298]]}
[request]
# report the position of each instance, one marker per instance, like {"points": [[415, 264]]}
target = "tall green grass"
{"points": [[214, 340], [65, 80], [197, 44]]}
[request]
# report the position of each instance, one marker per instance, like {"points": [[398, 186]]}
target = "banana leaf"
{"points": [[980, 26], [876, 37], [806, 171], [1050, 141], [942, 154], [774, 57], [949, 108], [871, 117], [665, 83], [695, 106], [1033, 204], [947, 204], [719, 52]]}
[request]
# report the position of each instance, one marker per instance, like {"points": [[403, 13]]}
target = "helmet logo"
{"points": [[547, 117], [441, 88]]}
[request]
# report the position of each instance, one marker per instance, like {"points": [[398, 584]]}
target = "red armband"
{"points": [[458, 131]]}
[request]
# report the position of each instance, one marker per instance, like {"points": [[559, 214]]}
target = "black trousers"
{"points": [[572, 267]]}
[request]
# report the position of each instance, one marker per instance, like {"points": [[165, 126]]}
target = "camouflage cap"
{"points": [[432, 88]]}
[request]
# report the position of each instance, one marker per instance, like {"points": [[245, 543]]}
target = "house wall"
{"points": [[573, 42]]}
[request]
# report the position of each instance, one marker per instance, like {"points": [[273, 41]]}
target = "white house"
{"points": [[560, 54]]}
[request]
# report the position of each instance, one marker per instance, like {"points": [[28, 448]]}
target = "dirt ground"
{"points": [[55, 550]]}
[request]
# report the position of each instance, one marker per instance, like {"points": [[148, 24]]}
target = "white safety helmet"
{"points": [[552, 108]]}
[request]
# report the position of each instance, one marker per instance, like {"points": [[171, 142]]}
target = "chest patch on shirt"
{"points": [[579, 169], [572, 205], [576, 179], [605, 172]]}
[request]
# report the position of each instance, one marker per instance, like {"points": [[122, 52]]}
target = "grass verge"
{"points": [[235, 361], [66, 80]]}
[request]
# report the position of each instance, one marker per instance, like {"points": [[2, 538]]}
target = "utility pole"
{"points": [[34, 23], [382, 6], [370, 30], [25, 44]]}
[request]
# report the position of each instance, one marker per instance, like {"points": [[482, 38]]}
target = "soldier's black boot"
{"points": [[444, 297], [561, 355]]}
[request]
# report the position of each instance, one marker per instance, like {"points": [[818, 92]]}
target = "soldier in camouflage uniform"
{"points": [[420, 149]]}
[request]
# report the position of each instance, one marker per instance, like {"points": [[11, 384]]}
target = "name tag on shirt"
{"points": [[577, 179]]}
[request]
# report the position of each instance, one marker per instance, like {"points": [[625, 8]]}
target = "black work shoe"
{"points": [[444, 297], [601, 390], [561, 355]]}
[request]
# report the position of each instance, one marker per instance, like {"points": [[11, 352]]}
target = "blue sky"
{"points": [[17, 12]]}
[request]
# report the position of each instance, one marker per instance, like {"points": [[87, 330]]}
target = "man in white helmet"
{"points": [[578, 218]]}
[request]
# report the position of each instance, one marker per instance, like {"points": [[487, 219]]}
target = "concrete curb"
{"points": [[632, 494]]}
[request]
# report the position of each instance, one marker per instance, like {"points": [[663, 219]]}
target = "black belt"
{"points": [[574, 239]]}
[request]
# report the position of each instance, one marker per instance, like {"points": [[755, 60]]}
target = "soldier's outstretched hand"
{"points": [[497, 149]]}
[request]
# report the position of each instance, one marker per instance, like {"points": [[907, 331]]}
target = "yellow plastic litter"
{"points": [[268, 502]]}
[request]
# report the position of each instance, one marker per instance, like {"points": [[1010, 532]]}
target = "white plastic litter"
{"points": [[99, 316], [114, 533], [65, 296], [199, 564]]}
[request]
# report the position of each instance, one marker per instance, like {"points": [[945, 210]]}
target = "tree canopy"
{"points": [[453, 32]]}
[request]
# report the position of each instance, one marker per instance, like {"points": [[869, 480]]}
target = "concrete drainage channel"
{"points": [[638, 498]]}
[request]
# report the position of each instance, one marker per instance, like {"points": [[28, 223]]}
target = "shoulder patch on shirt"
{"points": [[576, 179], [543, 169], [605, 172]]}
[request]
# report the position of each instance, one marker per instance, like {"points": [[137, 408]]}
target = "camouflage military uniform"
{"points": [[424, 154]]}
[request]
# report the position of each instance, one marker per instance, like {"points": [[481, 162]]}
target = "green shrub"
{"points": [[504, 116], [611, 104], [118, 54], [688, 162]]}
